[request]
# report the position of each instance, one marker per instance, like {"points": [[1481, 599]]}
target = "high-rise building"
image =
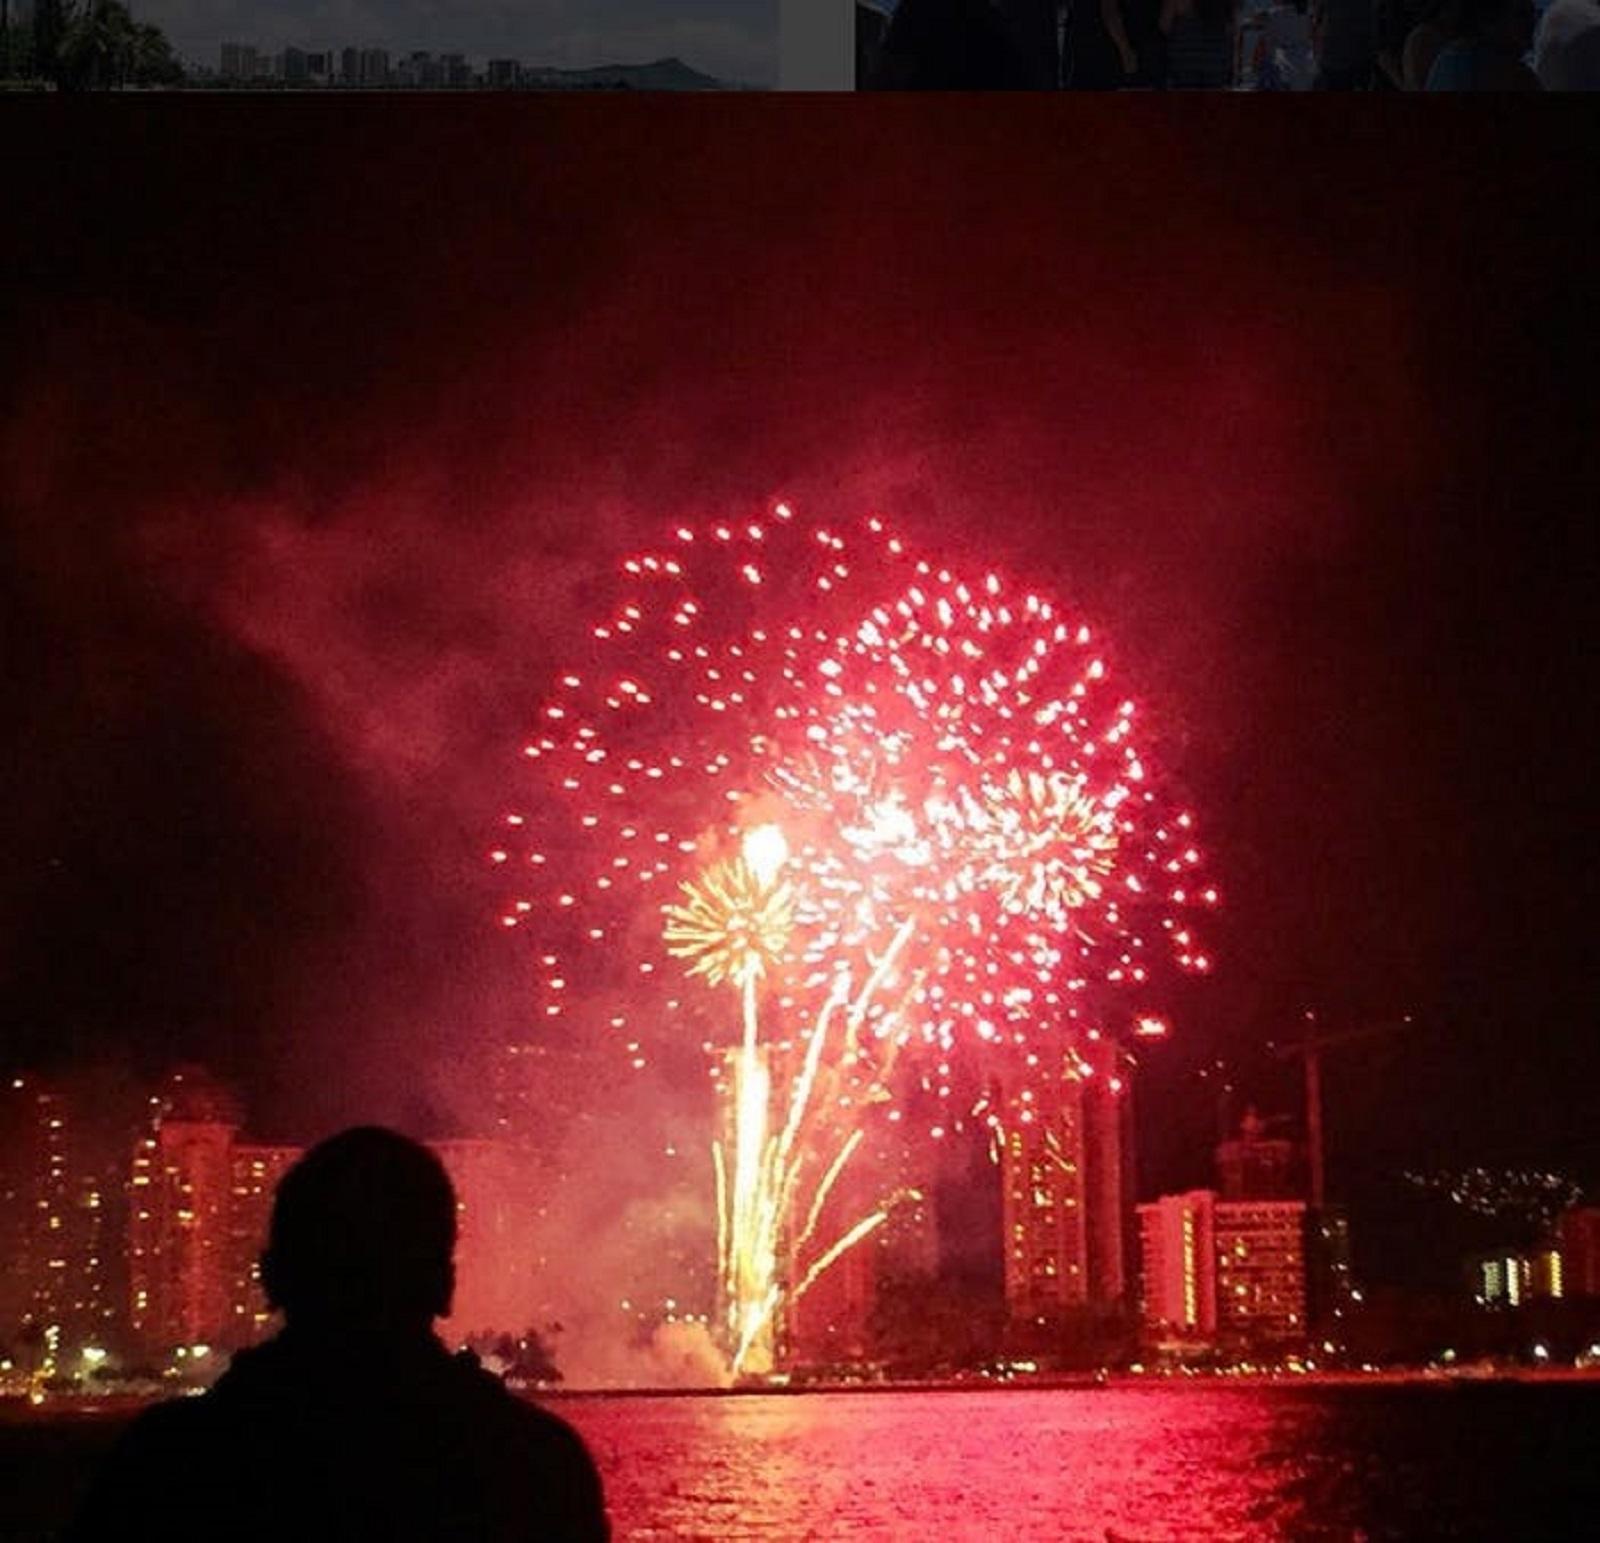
{"points": [[1504, 1279], [201, 1204], [420, 68], [239, 61], [1110, 1181], [1578, 1240], [256, 1171], [495, 1247], [538, 1092], [180, 1204], [57, 1213], [1042, 1213], [1065, 1196], [964, 1183], [1294, 1268], [1230, 1272], [1179, 1254], [832, 1323], [1330, 1281], [1261, 1271]]}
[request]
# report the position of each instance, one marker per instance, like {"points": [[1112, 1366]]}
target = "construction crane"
{"points": [[1309, 1048]]}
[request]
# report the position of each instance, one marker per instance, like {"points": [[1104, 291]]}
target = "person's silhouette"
{"points": [[354, 1422]]}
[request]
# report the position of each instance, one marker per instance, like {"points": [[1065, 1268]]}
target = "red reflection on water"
{"points": [[1110, 1463]]}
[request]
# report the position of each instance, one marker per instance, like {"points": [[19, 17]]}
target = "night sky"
{"points": [[318, 419]]}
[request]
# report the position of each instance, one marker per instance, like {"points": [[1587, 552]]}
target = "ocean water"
{"points": [[1112, 1465], [1508, 1462]]}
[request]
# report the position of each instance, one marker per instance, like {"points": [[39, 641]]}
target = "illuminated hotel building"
{"points": [[200, 1205], [255, 1173], [1178, 1247], [1234, 1265], [1229, 1271], [542, 1115], [496, 1230], [1065, 1194], [55, 1219], [180, 1205], [537, 1093], [1261, 1270], [1514, 1280]]}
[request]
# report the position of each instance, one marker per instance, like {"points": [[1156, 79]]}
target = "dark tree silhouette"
{"points": [[535, 1362], [525, 1360], [98, 46], [50, 19]]}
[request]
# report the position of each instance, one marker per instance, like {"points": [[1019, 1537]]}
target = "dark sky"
{"points": [[316, 416]]}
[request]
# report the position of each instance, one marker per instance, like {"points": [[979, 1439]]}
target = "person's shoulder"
{"points": [[175, 1432], [554, 1471], [131, 1482], [525, 1421], [173, 1421], [543, 1424]]}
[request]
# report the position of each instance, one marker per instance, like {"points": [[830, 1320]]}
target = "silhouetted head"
{"points": [[363, 1233]]}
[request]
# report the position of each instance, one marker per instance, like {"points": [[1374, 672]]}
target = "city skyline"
{"points": [[133, 1239], [351, 68], [735, 41]]}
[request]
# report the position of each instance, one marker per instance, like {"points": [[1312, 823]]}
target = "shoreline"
{"points": [[1121, 1382], [18, 1409]]}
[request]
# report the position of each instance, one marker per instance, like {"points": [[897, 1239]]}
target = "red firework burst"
{"points": [[937, 746]]}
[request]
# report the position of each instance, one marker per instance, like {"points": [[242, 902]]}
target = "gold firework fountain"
{"points": [[733, 926]]}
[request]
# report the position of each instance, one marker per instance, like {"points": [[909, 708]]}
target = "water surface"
{"points": [[1137, 1464]]}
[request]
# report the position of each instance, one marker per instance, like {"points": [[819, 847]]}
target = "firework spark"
{"points": [[1042, 845], [731, 925], [734, 929]]}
